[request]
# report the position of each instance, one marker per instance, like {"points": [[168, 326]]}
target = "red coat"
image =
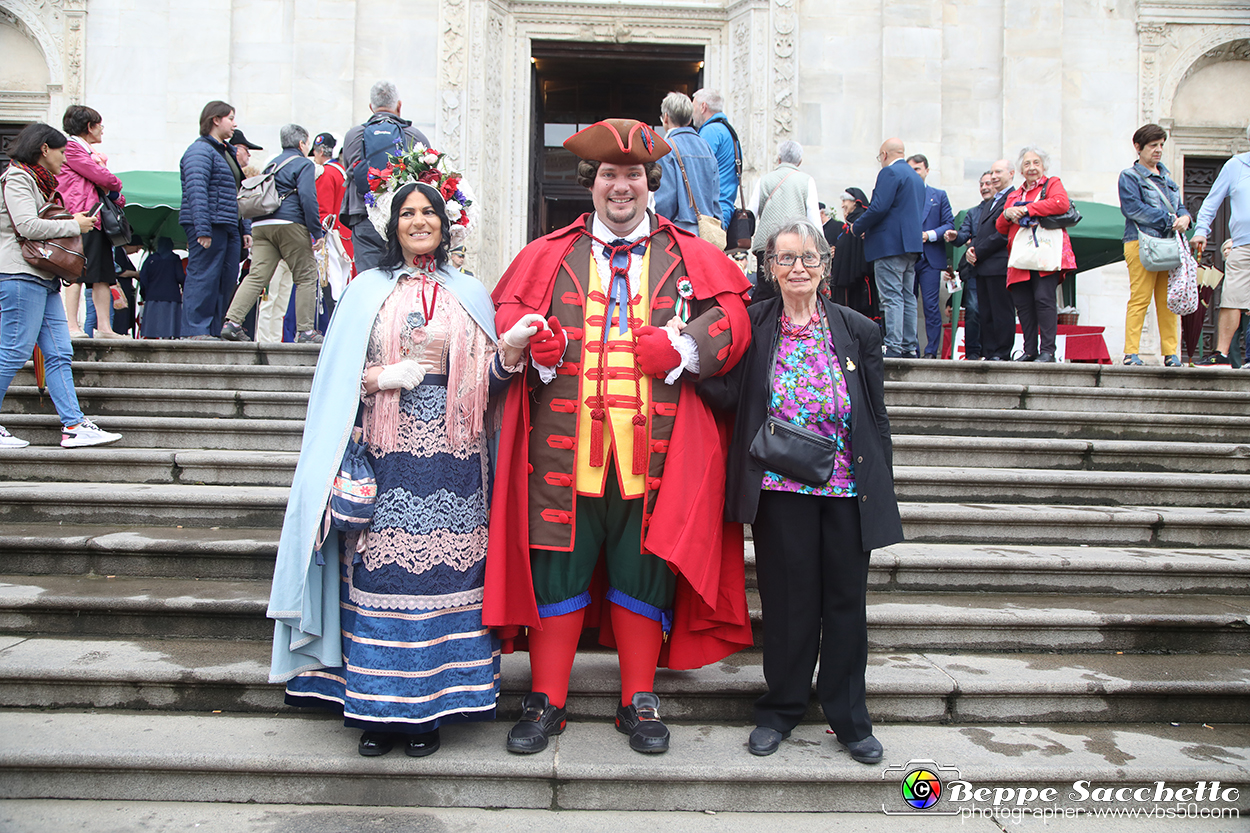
{"points": [[1056, 202], [686, 528], [330, 187]]}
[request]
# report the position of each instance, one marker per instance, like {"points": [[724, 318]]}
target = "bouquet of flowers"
{"points": [[421, 164]]}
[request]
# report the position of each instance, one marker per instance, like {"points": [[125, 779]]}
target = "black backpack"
{"points": [[382, 140]]}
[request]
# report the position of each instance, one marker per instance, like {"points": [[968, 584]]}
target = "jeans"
{"points": [[928, 282], [211, 274], [31, 313], [896, 275], [89, 292]]}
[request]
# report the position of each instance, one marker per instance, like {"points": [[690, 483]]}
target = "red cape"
{"points": [[686, 529]]}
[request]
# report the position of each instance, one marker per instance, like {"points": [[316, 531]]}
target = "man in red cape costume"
{"points": [[608, 509]]}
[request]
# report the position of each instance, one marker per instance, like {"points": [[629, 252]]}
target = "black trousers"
{"points": [[1038, 310], [998, 316], [813, 579]]}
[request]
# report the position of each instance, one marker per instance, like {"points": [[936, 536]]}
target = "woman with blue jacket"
{"points": [[1151, 203]]}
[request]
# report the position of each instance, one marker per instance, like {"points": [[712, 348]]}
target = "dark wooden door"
{"points": [[8, 132], [1200, 174]]}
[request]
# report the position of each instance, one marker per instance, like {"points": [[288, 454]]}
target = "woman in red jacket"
{"points": [[1035, 293], [80, 182]]}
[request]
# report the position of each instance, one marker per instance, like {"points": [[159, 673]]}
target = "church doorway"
{"points": [[575, 84]]}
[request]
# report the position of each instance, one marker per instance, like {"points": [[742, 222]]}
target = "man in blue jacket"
{"points": [[937, 220], [891, 228], [290, 233], [710, 119], [695, 167], [211, 175]]}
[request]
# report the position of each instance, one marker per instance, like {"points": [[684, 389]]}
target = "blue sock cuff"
{"points": [[567, 606], [664, 617]]}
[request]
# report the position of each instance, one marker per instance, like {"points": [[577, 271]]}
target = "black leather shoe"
{"points": [[1026, 357], [1046, 357], [426, 743], [764, 741], [866, 751], [539, 721], [641, 721], [373, 744]]}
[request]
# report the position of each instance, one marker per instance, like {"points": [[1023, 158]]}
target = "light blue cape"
{"points": [[304, 599]]}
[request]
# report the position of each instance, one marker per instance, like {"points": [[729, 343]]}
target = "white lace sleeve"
{"points": [[689, 350]]}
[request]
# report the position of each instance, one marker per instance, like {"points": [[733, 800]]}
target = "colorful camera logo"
{"points": [[921, 788]]}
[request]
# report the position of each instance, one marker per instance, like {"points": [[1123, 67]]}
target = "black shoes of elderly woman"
{"points": [[374, 744], [764, 741]]}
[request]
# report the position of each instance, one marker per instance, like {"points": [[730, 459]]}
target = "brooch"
{"points": [[850, 364], [685, 294], [416, 319]]}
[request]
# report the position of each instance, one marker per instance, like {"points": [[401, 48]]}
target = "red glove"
{"points": [[547, 345], [656, 354]]}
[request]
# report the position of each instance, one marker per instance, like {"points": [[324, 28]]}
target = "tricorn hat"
{"points": [[239, 139], [618, 142]]}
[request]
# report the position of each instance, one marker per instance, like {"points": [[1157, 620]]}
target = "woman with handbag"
{"points": [[1033, 291], [1154, 214], [30, 300], [810, 468], [85, 182], [384, 625]]}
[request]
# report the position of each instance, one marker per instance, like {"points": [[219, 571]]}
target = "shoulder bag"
{"points": [[258, 195], [792, 450], [62, 256], [1158, 254], [709, 227], [1067, 219], [113, 220], [741, 228]]}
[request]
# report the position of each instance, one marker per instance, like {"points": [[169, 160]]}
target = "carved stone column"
{"points": [[1151, 37]]}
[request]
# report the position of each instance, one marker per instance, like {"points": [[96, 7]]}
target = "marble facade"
{"points": [[962, 82]]}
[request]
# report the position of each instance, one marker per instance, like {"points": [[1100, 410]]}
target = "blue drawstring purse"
{"points": [[352, 494]]}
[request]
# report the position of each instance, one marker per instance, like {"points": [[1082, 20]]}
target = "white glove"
{"points": [[519, 335], [406, 374]]}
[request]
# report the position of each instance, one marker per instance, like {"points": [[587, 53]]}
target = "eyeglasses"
{"points": [[810, 259]]}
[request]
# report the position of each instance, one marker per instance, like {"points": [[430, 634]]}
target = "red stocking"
{"points": [[551, 654], [638, 643]]}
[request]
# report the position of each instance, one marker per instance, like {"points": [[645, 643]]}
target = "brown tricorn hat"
{"points": [[618, 142]]}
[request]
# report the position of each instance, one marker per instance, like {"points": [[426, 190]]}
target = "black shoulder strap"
{"points": [[737, 159]]}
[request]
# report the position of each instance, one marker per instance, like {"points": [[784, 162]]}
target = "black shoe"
{"points": [[641, 721], [539, 720], [1026, 357], [231, 331], [972, 357], [426, 743], [1216, 359], [373, 744], [930, 356], [910, 354], [866, 751], [1046, 357], [764, 741], [996, 359]]}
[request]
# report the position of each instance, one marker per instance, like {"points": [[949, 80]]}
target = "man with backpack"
{"points": [[290, 232], [367, 146]]}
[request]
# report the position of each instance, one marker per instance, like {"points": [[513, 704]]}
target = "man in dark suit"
{"points": [[988, 253], [968, 271], [937, 220], [892, 242]]}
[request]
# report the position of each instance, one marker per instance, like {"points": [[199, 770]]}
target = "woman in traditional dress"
{"points": [[411, 358]]}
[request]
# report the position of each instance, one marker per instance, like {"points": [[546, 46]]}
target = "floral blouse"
{"points": [[810, 390]]}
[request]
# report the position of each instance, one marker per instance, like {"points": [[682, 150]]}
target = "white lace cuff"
{"points": [[545, 374], [688, 349]]}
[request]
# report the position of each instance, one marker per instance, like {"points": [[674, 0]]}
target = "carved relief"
{"points": [[783, 69], [451, 77]]}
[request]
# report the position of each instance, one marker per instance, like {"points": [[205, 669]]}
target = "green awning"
{"points": [[152, 202], [1096, 241]]}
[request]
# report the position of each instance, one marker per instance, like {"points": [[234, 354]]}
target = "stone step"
{"points": [[137, 504], [140, 465], [182, 375], [194, 352], [1036, 397], [1066, 375], [206, 675], [965, 622], [106, 403], [1088, 488], [252, 758], [171, 432], [1061, 424], [1094, 455]]}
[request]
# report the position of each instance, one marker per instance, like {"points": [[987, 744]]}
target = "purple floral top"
{"points": [[810, 390]]}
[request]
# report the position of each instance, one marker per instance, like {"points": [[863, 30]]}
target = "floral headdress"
{"points": [[421, 164]]}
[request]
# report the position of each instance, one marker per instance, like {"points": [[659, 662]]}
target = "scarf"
{"points": [[43, 178]]}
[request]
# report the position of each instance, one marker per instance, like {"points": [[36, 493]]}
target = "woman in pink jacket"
{"points": [[1035, 293], [80, 181]]}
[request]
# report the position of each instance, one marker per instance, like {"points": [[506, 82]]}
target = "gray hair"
{"points": [[714, 100], [1041, 154], [678, 108], [790, 152], [291, 135], [383, 96], [807, 233]]}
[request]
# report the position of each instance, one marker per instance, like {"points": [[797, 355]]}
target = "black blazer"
{"points": [[990, 245], [744, 392]]}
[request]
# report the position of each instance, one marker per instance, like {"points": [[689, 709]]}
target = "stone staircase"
{"points": [[1073, 602]]}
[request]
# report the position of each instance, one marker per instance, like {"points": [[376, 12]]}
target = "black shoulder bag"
{"points": [[741, 228]]}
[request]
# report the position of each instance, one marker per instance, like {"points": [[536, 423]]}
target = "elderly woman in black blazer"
{"points": [[818, 506]]}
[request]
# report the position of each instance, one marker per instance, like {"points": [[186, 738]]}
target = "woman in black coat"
{"points": [[811, 541]]}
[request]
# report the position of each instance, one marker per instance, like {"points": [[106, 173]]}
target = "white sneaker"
{"points": [[86, 433], [7, 440]]}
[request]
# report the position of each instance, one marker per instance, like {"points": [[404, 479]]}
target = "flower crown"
{"points": [[421, 164]]}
